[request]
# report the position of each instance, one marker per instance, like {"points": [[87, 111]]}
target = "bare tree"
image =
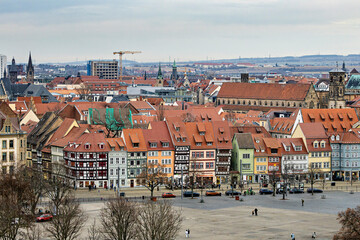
{"points": [[158, 221], [58, 189], [287, 170], [161, 112], [151, 177], [188, 117], [68, 221], [119, 220], [37, 185], [14, 205], [350, 224], [193, 174], [93, 231], [32, 233], [84, 92], [312, 174], [273, 179]]}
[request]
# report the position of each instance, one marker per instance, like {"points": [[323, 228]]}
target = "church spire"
{"points": [[30, 70], [160, 76]]}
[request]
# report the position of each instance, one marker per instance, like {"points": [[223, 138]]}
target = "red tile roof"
{"points": [[193, 133], [334, 120], [133, 136], [93, 140], [178, 132], [264, 91], [313, 130], [158, 133], [292, 143]]}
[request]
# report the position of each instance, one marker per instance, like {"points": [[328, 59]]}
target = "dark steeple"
{"points": [[343, 67], [145, 77], [159, 76], [13, 71], [174, 75], [30, 70]]}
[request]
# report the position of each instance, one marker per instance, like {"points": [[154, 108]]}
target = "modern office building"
{"points": [[103, 69]]}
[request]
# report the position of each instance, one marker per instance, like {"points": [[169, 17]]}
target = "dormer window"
{"points": [[101, 145], [198, 144], [165, 144], [337, 138], [332, 138], [87, 145], [202, 133], [153, 144], [322, 144], [135, 145], [298, 148], [184, 139], [209, 143], [287, 148], [316, 145]]}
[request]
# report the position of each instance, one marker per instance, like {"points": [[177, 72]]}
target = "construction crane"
{"points": [[121, 53]]}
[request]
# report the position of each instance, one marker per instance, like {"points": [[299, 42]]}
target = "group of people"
{"points": [[187, 233], [313, 236]]}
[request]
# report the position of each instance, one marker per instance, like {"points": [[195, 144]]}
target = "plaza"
{"points": [[225, 218]]}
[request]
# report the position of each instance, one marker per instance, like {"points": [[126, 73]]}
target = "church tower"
{"points": [[13, 71], [159, 78], [337, 88], [174, 75], [30, 70]]}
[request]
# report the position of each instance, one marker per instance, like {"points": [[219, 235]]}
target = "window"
{"points": [[101, 146], [11, 156], [198, 144], [166, 153], [111, 172], [287, 148], [4, 145], [260, 168], [322, 144], [246, 166], [153, 144], [326, 164], [4, 158], [316, 144], [87, 145], [153, 154], [246, 155], [165, 144], [298, 148], [111, 162], [11, 144]]}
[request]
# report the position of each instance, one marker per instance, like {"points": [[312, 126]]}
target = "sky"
{"points": [[184, 30]]}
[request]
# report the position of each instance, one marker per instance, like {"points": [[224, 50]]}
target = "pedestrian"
{"points": [[252, 212], [302, 202], [186, 234], [219, 186], [313, 235], [256, 211], [292, 236], [89, 187]]}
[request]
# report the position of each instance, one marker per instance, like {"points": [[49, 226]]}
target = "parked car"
{"points": [[265, 191], [168, 195], [212, 193], [296, 190], [281, 190], [189, 194], [315, 190], [232, 192], [44, 217]]}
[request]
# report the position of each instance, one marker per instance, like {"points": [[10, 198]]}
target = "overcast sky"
{"points": [[70, 30]]}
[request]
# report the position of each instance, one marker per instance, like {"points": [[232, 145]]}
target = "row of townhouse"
{"points": [[334, 156], [179, 148]]}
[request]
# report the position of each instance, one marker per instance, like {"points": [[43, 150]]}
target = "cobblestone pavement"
{"points": [[225, 218]]}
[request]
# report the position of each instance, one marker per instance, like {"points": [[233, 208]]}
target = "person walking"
{"points": [[292, 236], [302, 202], [186, 234], [313, 235], [256, 211]]}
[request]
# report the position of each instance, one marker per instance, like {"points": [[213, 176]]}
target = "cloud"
{"points": [[184, 29]]}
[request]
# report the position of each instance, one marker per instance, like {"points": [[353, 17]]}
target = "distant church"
{"points": [[14, 71]]}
